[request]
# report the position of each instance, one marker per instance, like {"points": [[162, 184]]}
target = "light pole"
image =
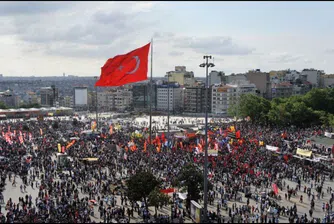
{"points": [[97, 117], [206, 65], [168, 112]]}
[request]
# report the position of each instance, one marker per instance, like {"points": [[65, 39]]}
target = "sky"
{"points": [[77, 38]]}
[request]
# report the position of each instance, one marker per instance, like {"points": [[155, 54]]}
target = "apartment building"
{"points": [[283, 89], [49, 96], [181, 76], [119, 99], [261, 81], [175, 97], [313, 76], [223, 96], [194, 99]]}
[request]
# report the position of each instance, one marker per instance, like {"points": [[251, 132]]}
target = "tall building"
{"points": [[313, 76], [261, 81], [181, 76], [216, 77], [49, 96], [223, 96], [175, 97], [141, 97], [194, 98]]}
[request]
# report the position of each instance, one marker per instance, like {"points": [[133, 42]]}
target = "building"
{"points": [[313, 76], [283, 89], [66, 101], [175, 97], [234, 78], [141, 97], [327, 81], [119, 99], [122, 99], [49, 96], [9, 98], [194, 99], [216, 77], [32, 98], [181, 76], [261, 81], [223, 96]]}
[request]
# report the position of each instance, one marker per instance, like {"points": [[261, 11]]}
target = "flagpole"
{"points": [[151, 91]]}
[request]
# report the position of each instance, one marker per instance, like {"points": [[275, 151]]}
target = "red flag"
{"points": [[237, 134], [125, 68], [275, 188]]}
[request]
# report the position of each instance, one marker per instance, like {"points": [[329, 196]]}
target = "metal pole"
{"points": [[97, 117], [206, 143], [168, 110], [151, 91]]}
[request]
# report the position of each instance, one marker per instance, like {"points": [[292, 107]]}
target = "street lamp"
{"points": [[206, 65]]}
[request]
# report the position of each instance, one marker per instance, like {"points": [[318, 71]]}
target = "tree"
{"points": [[141, 185], [191, 178], [3, 106], [255, 107], [156, 198]]}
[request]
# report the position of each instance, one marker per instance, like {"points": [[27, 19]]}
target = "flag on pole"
{"points": [[125, 68]]}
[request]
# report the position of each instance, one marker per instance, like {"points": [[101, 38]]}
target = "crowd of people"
{"points": [[243, 173]]}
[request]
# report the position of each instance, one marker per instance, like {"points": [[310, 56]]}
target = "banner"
{"points": [[167, 191], [304, 152], [272, 148], [329, 135], [195, 211]]}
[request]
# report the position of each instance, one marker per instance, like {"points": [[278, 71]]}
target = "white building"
{"points": [[313, 76], [223, 96], [175, 97]]}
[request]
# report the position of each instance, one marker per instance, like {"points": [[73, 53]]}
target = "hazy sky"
{"points": [[49, 38]]}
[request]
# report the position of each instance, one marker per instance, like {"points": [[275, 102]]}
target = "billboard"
{"points": [[80, 96]]}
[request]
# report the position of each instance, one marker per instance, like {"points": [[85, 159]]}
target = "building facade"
{"points": [[223, 96], [194, 99], [49, 96], [313, 76], [181, 76], [175, 97], [141, 97], [261, 81]]}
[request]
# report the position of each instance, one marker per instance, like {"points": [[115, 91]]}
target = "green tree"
{"points": [[3, 106], [254, 106], [141, 185], [191, 178], [156, 198]]}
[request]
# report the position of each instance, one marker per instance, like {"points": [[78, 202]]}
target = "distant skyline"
{"points": [[76, 38]]}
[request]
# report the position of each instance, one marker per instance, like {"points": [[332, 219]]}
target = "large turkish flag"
{"points": [[126, 68]]}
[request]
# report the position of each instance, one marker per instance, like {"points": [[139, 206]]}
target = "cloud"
{"points": [[329, 51], [212, 45], [284, 58], [89, 30], [24, 8], [176, 53]]}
